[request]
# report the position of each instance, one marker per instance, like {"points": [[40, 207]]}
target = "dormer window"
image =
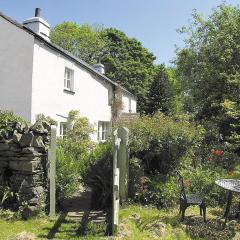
{"points": [[68, 79]]}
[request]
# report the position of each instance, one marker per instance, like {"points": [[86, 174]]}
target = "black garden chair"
{"points": [[187, 200]]}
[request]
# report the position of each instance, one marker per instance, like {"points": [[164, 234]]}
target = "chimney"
{"points": [[38, 25], [99, 67], [37, 12]]}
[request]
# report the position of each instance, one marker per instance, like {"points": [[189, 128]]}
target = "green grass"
{"points": [[149, 223], [140, 223], [62, 227], [10, 228]]}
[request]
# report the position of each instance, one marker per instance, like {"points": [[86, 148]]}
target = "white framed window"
{"points": [[63, 129], [68, 79], [103, 130]]}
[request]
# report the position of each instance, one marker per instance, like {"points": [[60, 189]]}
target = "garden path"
{"points": [[77, 216]]}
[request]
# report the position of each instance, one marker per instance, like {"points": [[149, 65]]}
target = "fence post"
{"points": [[123, 163], [52, 171], [115, 203]]}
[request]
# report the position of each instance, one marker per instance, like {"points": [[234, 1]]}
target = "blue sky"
{"points": [[153, 22]]}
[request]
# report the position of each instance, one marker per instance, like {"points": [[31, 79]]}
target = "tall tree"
{"points": [[209, 69], [84, 41], [159, 97], [129, 64]]}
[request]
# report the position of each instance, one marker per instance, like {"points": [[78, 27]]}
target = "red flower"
{"points": [[210, 159], [217, 152]]}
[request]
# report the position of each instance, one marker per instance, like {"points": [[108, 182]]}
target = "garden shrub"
{"points": [[98, 174], [7, 119], [161, 141], [68, 174], [162, 190], [136, 174], [72, 154], [159, 144], [202, 179], [158, 190]]}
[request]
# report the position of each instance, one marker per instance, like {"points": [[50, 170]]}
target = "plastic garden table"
{"points": [[233, 186]]}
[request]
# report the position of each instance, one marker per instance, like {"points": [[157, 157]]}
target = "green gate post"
{"points": [[52, 171], [123, 163]]}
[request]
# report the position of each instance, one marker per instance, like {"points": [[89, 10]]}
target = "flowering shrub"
{"points": [[223, 156]]}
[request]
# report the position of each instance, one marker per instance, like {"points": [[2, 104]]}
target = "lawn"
{"points": [[61, 227], [135, 223], [148, 223]]}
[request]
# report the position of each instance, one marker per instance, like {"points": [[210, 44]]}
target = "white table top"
{"points": [[229, 184]]}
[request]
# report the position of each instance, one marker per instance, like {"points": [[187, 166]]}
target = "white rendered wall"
{"points": [[129, 103], [16, 54], [49, 98]]}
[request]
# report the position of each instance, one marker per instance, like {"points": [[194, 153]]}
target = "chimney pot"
{"points": [[99, 67], [37, 12]]}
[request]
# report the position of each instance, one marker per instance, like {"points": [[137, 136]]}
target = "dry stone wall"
{"points": [[24, 164]]}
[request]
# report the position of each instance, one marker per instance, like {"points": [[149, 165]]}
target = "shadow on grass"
{"points": [[82, 229], [94, 223], [52, 232], [87, 223]]}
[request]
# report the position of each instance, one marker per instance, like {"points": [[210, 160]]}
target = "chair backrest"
{"points": [[181, 186]]}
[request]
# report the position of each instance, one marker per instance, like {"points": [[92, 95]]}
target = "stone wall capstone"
{"points": [[24, 164]]}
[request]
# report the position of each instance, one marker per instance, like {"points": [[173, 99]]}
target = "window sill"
{"points": [[68, 91]]}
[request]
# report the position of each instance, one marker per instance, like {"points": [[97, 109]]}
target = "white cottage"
{"points": [[37, 77]]}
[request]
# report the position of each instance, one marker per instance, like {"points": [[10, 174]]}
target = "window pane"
{"points": [[68, 74], [103, 130], [68, 84], [103, 136], [63, 129]]}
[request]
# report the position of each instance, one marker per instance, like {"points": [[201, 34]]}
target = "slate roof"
{"points": [[65, 53]]}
